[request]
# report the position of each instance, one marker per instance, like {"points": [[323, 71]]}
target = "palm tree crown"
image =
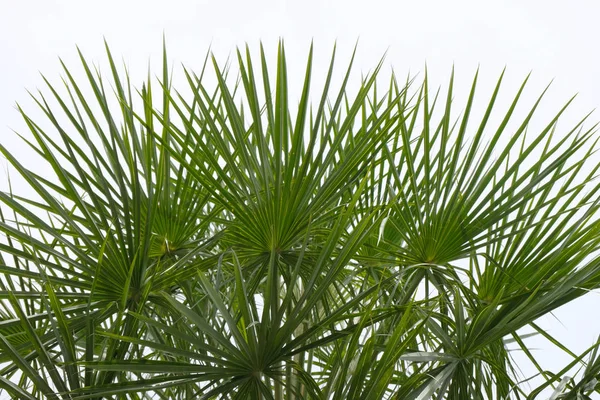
{"points": [[226, 245]]}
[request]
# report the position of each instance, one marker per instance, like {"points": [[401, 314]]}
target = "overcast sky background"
{"points": [[556, 40]]}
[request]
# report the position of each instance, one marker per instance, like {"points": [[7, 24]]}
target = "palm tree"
{"points": [[226, 245]]}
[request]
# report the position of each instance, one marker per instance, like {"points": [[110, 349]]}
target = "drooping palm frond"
{"points": [[228, 245]]}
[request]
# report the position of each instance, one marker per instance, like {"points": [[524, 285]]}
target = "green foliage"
{"points": [[226, 245]]}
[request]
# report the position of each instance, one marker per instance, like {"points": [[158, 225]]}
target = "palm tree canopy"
{"points": [[379, 242]]}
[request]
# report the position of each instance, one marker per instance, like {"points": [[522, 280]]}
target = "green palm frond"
{"points": [[227, 244]]}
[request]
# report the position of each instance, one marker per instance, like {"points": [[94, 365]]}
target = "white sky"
{"points": [[556, 40]]}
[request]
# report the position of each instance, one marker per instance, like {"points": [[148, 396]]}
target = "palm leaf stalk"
{"points": [[222, 244]]}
